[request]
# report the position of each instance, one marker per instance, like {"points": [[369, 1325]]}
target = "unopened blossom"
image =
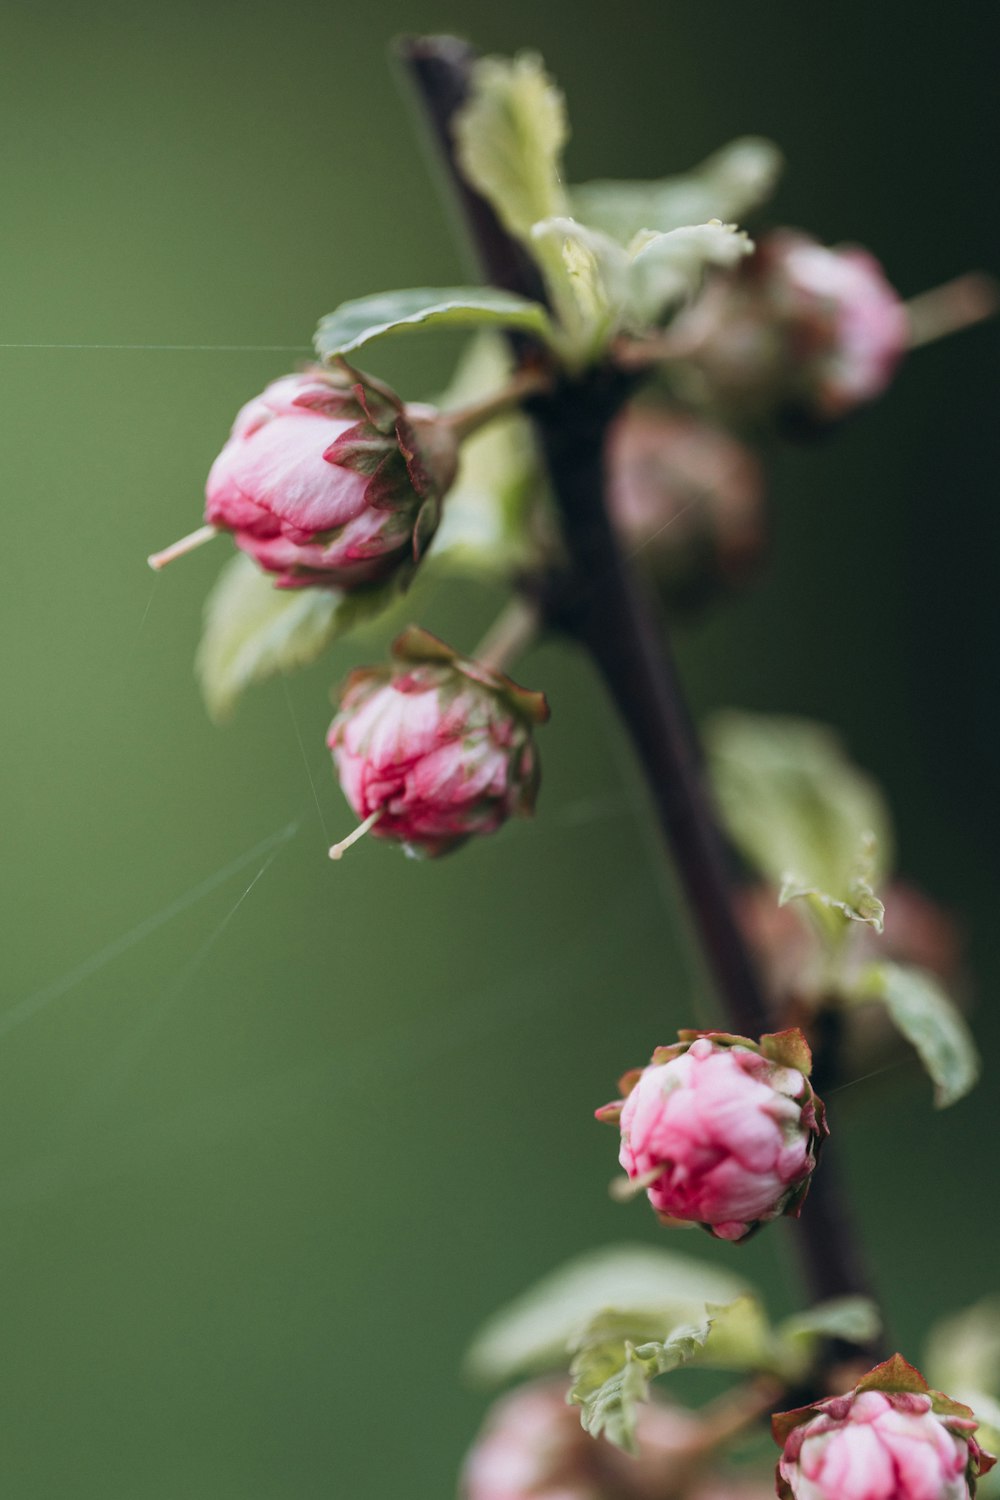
{"points": [[891, 1438], [331, 481], [686, 496], [532, 1447], [800, 332], [435, 748], [720, 1130]]}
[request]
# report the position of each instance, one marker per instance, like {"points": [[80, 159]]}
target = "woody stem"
{"points": [[597, 600]]}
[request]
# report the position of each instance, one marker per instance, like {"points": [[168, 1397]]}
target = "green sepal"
{"points": [[417, 645], [789, 1048]]}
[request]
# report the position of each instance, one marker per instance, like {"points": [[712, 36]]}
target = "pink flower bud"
{"points": [[722, 1131], [435, 748], [327, 482], [532, 1447], [800, 331], [891, 1438], [689, 497]]}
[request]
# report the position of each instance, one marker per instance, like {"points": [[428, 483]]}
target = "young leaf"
{"points": [[668, 269], [649, 1289], [586, 276], [728, 185], [922, 1011], [858, 904], [510, 136], [358, 322], [855, 1319], [610, 1376], [795, 805], [253, 630], [964, 1350], [494, 524]]}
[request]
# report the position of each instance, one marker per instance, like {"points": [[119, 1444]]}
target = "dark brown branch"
{"points": [[599, 603]]}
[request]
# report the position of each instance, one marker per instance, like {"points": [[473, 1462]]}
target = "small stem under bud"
{"points": [[531, 380], [512, 632], [338, 851], [624, 1189], [946, 309], [158, 560]]}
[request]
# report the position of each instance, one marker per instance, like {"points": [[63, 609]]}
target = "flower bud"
{"points": [[722, 1131], [891, 1438], [689, 497], [799, 332], [328, 479], [435, 748], [532, 1447]]}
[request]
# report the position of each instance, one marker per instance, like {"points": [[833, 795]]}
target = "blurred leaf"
{"points": [[253, 630], [492, 524], [667, 269], [928, 1019], [860, 904], [510, 136], [358, 322], [610, 1377], [647, 1289], [964, 1350], [796, 807], [586, 277], [855, 1319], [728, 185]]}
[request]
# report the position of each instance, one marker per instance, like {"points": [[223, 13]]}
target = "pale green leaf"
{"points": [[929, 1021], [666, 270], [610, 1377], [964, 1349], [356, 323], [253, 630], [587, 277], [729, 185], [509, 138], [647, 1288], [494, 523], [859, 904], [795, 806], [854, 1319]]}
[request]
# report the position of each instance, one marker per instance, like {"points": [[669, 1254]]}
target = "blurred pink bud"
{"points": [[800, 332], [532, 1447], [689, 497], [891, 1438], [722, 1131], [435, 748], [330, 480]]}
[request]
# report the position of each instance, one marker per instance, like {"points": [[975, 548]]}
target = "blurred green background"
{"points": [[264, 1169]]}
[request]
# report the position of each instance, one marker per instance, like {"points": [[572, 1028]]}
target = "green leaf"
{"points": [[729, 185], [854, 1319], [668, 269], [253, 630], [798, 809], [649, 1290], [929, 1021], [963, 1351], [509, 138], [494, 522], [356, 323], [610, 1377], [860, 904]]}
